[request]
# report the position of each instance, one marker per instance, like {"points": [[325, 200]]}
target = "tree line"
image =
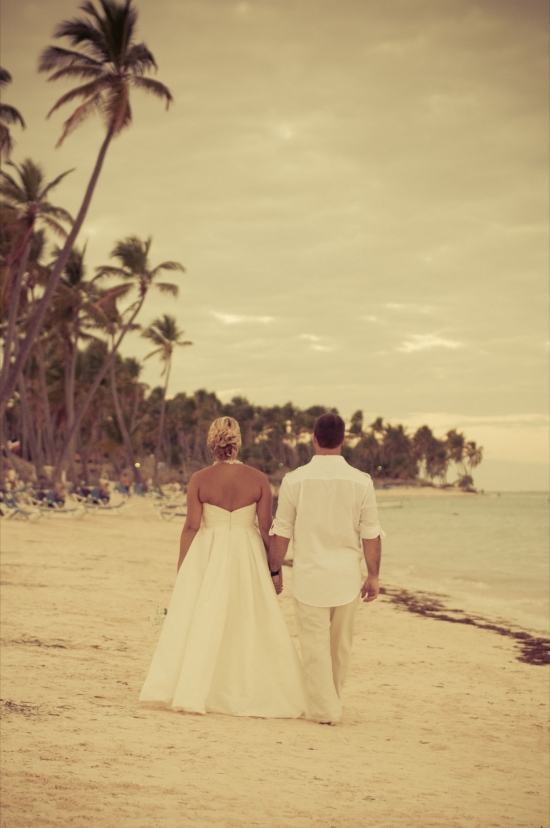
{"points": [[68, 400]]}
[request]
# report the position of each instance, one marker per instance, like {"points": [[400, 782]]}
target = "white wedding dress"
{"points": [[224, 646]]}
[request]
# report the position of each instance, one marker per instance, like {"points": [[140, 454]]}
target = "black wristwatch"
{"points": [[274, 574]]}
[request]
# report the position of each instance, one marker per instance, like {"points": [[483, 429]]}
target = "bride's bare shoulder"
{"points": [[254, 474], [199, 476]]}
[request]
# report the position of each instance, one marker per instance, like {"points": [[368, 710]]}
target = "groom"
{"points": [[329, 510]]}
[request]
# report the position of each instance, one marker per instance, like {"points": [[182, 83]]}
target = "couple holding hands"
{"points": [[225, 646]]}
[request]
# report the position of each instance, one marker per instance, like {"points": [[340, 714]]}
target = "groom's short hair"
{"points": [[329, 430]]}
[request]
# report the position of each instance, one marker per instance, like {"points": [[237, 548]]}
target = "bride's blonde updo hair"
{"points": [[224, 438]]}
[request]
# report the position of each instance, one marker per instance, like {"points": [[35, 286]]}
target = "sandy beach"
{"points": [[443, 726]]}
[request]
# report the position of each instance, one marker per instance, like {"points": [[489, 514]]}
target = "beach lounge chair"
{"points": [[11, 510]]}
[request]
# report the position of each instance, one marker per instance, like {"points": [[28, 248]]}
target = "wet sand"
{"points": [[443, 727]]}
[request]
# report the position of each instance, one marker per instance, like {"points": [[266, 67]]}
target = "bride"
{"points": [[224, 646]]}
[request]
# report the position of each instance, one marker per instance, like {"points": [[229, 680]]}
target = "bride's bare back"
{"points": [[231, 486]]}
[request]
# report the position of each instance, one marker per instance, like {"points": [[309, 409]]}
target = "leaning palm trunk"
{"points": [[128, 448], [92, 390], [8, 386]]}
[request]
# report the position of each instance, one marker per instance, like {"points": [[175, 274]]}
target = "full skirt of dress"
{"points": [[224, 646]]}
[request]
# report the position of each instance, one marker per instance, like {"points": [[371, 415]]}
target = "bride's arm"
{"points": [[263, 511], [193, 519]]}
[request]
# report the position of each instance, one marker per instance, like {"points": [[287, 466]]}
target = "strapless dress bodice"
{"points": [[214, 517]]}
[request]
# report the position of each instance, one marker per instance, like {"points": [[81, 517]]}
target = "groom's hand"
{"points": [[278, 582], [370, 589]]}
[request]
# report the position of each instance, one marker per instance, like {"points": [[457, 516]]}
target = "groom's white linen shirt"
{"points": [[326, 507]]}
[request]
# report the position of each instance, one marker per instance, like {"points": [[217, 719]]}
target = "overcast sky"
{"points": [[358, 190]]}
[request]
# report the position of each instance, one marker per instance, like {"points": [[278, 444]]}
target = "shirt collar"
{"points": [[327, 457]]}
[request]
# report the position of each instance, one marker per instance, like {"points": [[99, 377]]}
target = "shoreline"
{"points": [[408, 490]]}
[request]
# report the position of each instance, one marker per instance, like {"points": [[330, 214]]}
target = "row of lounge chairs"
{"points": [[24, 503]]}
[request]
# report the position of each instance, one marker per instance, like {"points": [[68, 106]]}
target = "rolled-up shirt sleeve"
{"points": [[283, 524], [369, 525]]}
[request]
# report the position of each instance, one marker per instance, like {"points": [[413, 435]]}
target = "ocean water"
{"points": [[488, 553]]}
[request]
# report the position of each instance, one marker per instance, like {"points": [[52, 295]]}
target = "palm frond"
{"points": [[155, 335], [6, 141], [117, 107], [156, 88], [54, 56], [87, 90], [167, 266], [53, 225], [168, 287], [99, 317], [55, 182], [77, 70], [116, 26], [107, 270], [85, 110], [139, 59], [47, 209], [10, 189], [113, 294], [9, 178], [11, 115], [154, 353], [85, 34], [132, 252], [135, 326], [5, 77], [32, 179]]}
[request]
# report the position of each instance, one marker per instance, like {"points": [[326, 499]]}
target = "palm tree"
{"points": [[367, 454], [8, 115], [27, 196], [112, 321], [136, 271], [73, 316], [399, 459], [164, 333], [456, 446], [110, 62], [356, 424], [423, 445], [474, 454], [124, 375]]}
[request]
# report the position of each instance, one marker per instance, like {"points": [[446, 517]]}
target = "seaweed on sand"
{"points": [[532, 649]]}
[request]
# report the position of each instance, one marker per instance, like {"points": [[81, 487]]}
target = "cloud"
{"points": [[227, 394], [315, 342], [440, 419], [423, 342], [285, 132], [239, 318], [409, 308]]}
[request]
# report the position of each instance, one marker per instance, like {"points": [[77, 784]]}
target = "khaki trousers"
{"points": [[325, 635]]}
